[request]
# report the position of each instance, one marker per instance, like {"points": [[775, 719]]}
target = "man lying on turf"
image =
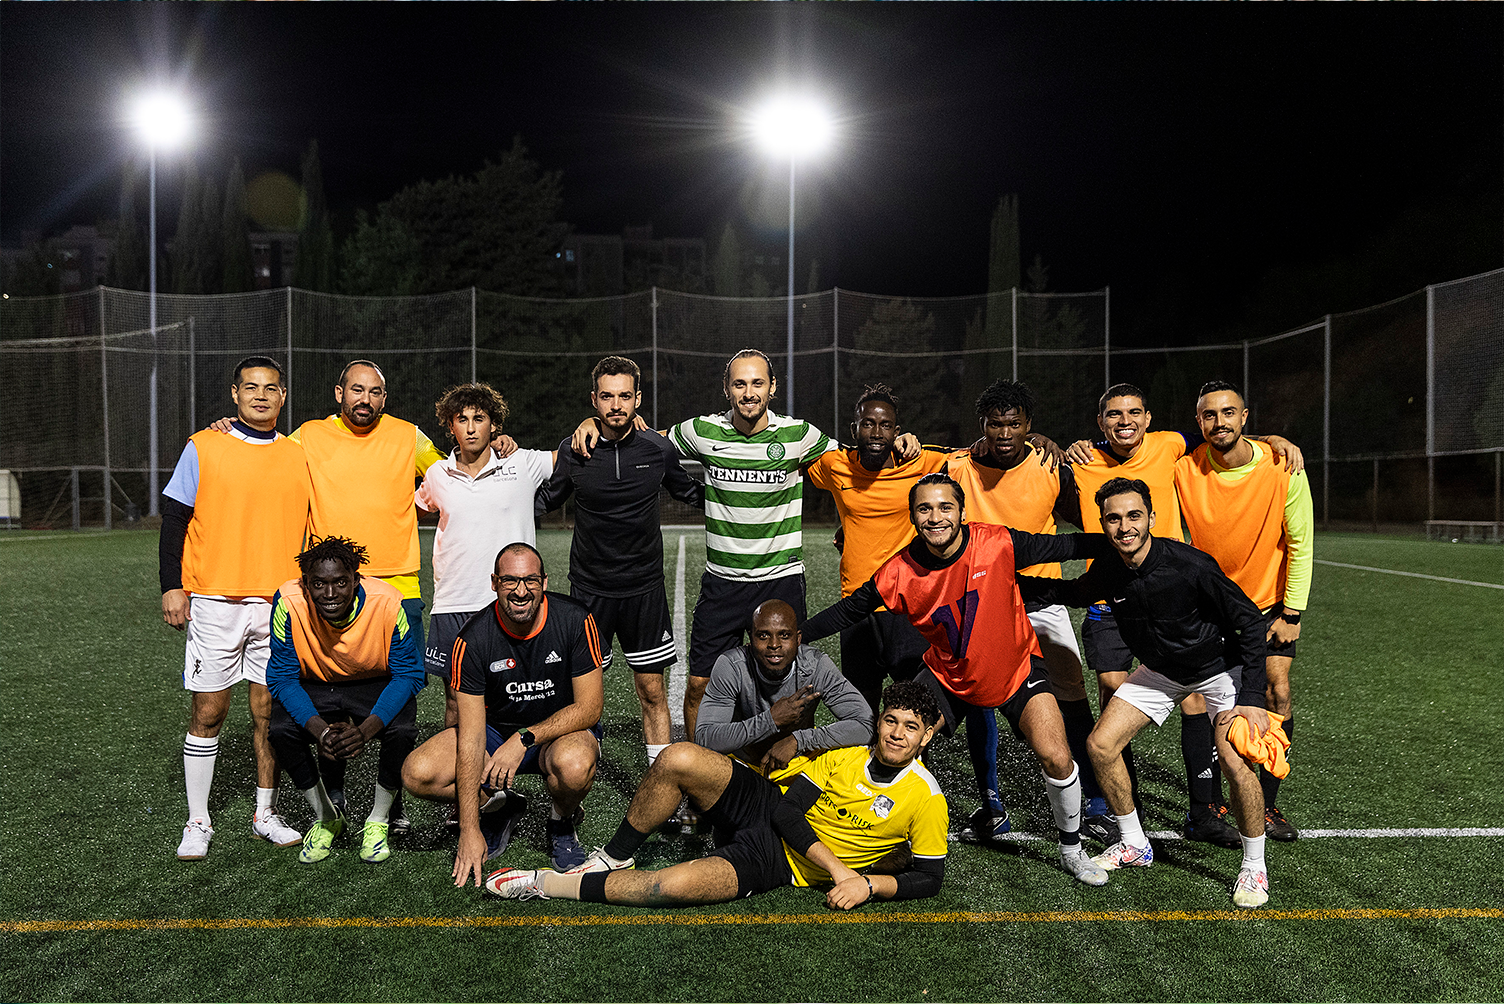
{"points": [[844, 811]]}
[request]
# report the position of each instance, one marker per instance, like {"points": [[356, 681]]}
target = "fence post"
{"points": [[1014, 293], [73, 482], [472, 335], [1430, 402], [1498, 499], [287, 410], [104, 397], [192, 380], [1326, 419], [656, 424], [835, 362], [1375, 494], [1246, 388], [1107, 337]]}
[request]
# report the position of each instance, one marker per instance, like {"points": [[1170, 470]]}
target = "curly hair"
{"points": [[341, 549], [912, 696], [1005, 395], [481, 396], [877, 392]]}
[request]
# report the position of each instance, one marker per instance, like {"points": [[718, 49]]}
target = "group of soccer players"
{"points": [[292, 564]]}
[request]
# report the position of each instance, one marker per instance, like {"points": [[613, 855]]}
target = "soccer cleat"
{"points": [[267, 825], [683, 821], [337, 799], [1276, 826], [400, 824], [1208, 824], [1251, 889], [984, 826], [564, 844], [373, 845], [599, 861], [1099, 823], [452, 821], [496, 826], [320, 836], [195, 843], [1077, 864], [514, 883], [1124, 855]]}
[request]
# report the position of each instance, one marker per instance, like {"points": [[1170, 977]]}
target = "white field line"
{"points": [[680, 671], [1167, 835], [1412, 575]]}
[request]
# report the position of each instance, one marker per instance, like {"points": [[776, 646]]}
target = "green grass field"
{"points": [[1396, 683]]}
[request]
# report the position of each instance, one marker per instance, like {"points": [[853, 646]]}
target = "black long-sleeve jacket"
{"points": [[618, 547], [1178, 614]]}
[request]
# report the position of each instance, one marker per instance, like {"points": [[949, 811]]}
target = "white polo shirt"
{"points": [[478, 517]]}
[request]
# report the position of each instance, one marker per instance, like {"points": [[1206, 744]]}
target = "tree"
{"points": [[727, 267], [187, 272], [381, 258], [993, 331], [128, 265], [315, 266], [235, 232], [497, 230], [923, 385], [211, 244]]}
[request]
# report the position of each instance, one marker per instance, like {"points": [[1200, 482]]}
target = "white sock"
{"points": [[1253, 853], [554, 815], [199, 754], [1132, 830], [266, 800], [653, 750], [1065, 803], [381, 805], [318, 798]]}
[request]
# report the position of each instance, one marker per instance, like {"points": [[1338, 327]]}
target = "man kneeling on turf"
{"points": [[345, 669], [844, 811]]}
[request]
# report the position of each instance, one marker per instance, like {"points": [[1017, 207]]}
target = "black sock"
{"points": [[1268, 781], [1078, 725], [1200, 756], [1132, 769], [625, 843], [1071, 839], [593, 886]]}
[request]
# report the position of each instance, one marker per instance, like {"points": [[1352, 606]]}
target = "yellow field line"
{"points": [[737, 920]]}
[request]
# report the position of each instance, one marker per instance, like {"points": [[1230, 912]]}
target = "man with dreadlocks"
{"points": [[345, 669]]}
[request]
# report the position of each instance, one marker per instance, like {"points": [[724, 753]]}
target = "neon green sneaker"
{"points": [[318, 838], [373, 845]]}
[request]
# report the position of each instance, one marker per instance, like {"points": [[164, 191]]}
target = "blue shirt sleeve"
{"points": [[283, 674], [184, 483], [406, 665]]}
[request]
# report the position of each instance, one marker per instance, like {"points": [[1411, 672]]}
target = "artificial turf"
{"points": [[1395, 683]]}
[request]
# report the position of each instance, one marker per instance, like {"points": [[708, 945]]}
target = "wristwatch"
{"points": [[527, 738], [1290, 618]]}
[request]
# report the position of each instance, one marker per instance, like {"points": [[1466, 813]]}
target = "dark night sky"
{"points": [[1168, 151]]}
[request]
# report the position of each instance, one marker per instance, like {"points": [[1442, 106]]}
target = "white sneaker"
{"points": [[1251, 890], [1076, 863], [196, 837], [1124, 855], [514, 883], [267, 825], [600, 861]]}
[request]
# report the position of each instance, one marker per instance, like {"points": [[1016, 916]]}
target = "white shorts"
{"points": [[228, 641], [1057, 640], [1156, 695]]}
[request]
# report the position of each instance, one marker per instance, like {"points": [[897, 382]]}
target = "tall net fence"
{"points": [[1399, 407]]}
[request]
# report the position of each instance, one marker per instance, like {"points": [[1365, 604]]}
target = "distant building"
{"points": [[80, 257], [274, 258], [607, 265]]}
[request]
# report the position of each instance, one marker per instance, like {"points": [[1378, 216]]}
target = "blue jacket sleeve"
{"points": [[283, 674], [406, 665]]}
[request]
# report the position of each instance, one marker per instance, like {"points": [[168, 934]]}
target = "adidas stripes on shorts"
{"points": [[641, 623]]}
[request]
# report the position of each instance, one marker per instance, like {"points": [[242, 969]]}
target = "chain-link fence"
{"points": [[1399, 407]]}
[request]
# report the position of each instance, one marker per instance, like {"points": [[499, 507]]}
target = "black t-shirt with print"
{"points": [[525, 680]]}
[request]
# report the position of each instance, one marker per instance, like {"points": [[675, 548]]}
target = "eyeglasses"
{"points": [[507, 583]]}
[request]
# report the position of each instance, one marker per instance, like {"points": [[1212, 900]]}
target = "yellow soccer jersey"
{"points": [[861, 820]]}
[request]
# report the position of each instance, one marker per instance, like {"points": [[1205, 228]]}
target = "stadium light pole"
{"points": [[161, 118], [792, 127]]}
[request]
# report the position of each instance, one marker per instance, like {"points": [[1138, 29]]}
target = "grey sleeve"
{"points": [[853, 724], [716, 728]]}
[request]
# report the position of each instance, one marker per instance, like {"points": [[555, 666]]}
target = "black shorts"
{"points": [[755, 850], [641, 622], [1102, 643], [723, 614], [442, 630], [957, 708], [881, 645], [1270, 616]]}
